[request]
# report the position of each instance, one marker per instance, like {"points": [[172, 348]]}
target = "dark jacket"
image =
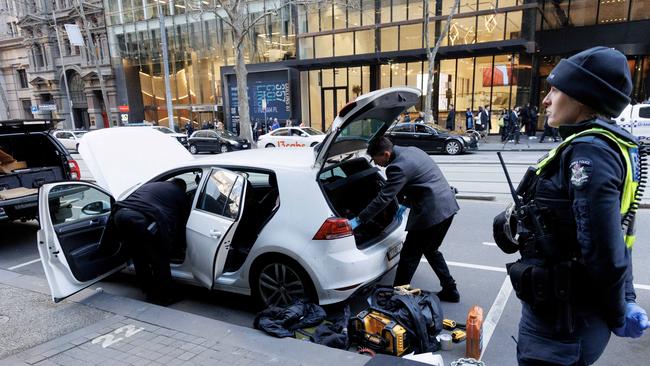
{"points": [[586, 184], [413, 174], [164, 203], [451, 120]]}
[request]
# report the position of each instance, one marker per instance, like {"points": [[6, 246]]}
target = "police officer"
{"points": [[574, 276], [411, 172], [150, 222]]}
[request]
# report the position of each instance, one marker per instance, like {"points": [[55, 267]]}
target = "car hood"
{"points": [[382, 106], [121, 157]]}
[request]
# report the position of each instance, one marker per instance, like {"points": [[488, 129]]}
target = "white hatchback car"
{"points": [[269, 223], [291, 137], [69, 139]]}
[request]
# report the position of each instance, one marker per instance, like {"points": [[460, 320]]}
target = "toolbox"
{"points": [[380, 332], [36, 177], [9, 181]]}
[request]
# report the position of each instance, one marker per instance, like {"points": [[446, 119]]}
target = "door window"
{"points": [[281, 133], [70, 203], [644, 112], [402, 129], [421, 129], [212, 135], [221, 194]]}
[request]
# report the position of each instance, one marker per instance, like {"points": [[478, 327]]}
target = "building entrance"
{"points": [[332, 100]]}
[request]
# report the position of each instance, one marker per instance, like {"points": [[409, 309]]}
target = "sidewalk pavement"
{"points": [[525, 144], [123, 331]]}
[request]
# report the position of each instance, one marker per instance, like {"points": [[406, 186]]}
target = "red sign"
{"points": [[123, 108]]}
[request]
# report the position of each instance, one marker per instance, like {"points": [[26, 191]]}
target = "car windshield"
{"points": [[165, 130], [226, 133], [312, 131]]}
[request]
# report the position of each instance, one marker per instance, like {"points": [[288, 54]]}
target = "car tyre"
{"points": [[278, 281], [224, 148], [313, 144], [269, 145], [194, 149], [453, 147]]}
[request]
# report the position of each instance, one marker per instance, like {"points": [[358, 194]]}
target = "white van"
{"points": [[636, 119]]}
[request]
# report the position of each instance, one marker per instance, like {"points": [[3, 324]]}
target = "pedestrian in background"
{"points": [[275, 124], [469, 119], [582, 287], [451, 118], [411, 173], [503, 125]]}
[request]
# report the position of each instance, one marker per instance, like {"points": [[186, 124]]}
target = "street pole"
{"points": [[168, 88], [93, 57], [65, 76]]}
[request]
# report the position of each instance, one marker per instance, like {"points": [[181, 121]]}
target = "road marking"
{"points": [[24, 264], [109, 339], [641, 287], [490, 244], [493, 316]]}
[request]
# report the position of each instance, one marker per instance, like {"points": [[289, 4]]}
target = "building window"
{"points": [[583, 12], [364, 42], [323, 46], [38, 56], [389, 39], [27, 108], [613, 11], [22, 77], [640, 10], [410, 36], [343, 44]]}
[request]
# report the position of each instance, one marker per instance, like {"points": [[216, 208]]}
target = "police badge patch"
{"points": [[580, 172]]}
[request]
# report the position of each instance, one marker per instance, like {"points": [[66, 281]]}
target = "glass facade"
{"points": [[577, 13]]}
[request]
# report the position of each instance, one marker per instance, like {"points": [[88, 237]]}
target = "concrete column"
{"points": [[94, 110]]}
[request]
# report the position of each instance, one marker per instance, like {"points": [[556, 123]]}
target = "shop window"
{"points": [[367, 12], [462, 31], [506, 3], [354, 82], [327, 78], [364, 42], [306, 48], [323, 46], [640, 10], [415, 9], [313, 21], [398, 74], [389, 39], [340, 16], [314, 99], [341, 77], [464, 84], [513, 25], [583, 12], [365, 79], [482, 82], [414, 74], [487, 4], [410, 36], [399, 10], [467, 6], [354, 16], [432, 35], [490, 27], [343, 44], [446, 6], [501, 80], [385, 11], [446, 89], [385, 76], [326, 18], [556, 14], [612, 11]]}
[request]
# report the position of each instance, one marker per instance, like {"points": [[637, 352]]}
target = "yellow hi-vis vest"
{"points": [[629, 150]]}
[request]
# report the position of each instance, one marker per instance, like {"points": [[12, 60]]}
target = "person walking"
{"points": [[150, 222], [514, 128], [469, 119], [574, 277], [412, 173], [451, 118], [532, 111]]}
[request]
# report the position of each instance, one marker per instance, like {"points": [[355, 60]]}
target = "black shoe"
{"points": [[449, 294]]}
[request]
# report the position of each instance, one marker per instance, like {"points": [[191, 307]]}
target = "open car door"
{"points": [[75, 241], [213, 222]]}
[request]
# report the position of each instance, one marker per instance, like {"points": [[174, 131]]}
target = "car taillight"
{"points": [[334, 228], [75, 173]]}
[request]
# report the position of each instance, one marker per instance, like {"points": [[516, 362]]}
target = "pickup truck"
{"points": [[39, 158]]}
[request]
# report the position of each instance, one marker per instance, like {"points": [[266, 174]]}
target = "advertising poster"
{"points": [[268, 96]]}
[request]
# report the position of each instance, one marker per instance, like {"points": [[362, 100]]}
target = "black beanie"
{"points": [[598, 77]]}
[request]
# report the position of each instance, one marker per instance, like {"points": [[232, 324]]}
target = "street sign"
{"points": [[34, 109], [47, 107], [264, 105], [74, 35], [125, 118]]}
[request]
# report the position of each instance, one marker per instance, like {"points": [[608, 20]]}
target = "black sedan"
{"points": [[216, 141], [431, 139]]}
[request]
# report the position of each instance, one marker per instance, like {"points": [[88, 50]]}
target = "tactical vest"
{"points": [[635, 171]]}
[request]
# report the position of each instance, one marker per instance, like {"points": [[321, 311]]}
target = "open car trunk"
{"points": [[40, 161], [349, 187]]}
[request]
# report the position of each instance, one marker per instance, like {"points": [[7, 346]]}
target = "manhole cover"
{"points": [[3, 319]]}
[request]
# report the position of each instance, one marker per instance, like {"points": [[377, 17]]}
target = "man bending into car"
{"points": [[149, 222], [412, 174]]}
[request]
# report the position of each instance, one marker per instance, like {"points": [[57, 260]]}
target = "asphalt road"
{"points": [[476, 263]]}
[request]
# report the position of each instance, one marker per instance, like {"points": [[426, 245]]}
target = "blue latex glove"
{"points": [[400, 211], [636, 321], [354, 223]]}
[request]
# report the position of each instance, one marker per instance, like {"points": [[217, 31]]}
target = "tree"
{"points": [[235, 13], [432, 52]]}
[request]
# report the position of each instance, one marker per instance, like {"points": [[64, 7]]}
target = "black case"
{"points": [[9, 181], [36, 177]]}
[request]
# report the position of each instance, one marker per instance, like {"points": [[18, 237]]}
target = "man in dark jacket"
{"points": [[451, 118], [150, 221], [411, 173]]}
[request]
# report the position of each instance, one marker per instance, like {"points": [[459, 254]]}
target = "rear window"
{"points": [[362, 129], [36, 149]]}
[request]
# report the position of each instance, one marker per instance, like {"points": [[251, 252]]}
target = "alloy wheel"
{"points": [[452, 147], [193, 149], [224, 148], [269, 145], [280, 285]]}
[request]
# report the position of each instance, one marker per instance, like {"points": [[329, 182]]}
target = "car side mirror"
{"points": [[304, 135], [96, 208]]}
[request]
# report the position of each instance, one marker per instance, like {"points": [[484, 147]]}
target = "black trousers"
{"points": [[427, 242], [149, 252]]}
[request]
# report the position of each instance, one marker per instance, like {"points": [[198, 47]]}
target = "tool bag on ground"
{"points": [[417, 314]]}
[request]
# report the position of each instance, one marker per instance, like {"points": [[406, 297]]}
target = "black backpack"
{"points": [[419, 313]]}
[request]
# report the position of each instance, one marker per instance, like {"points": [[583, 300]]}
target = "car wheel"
{"points": [[224, 148], [194, 149], [279, 282], [269, 145], [452, 147], [313, 144]]}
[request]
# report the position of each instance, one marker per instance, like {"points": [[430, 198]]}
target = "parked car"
{"points": [[291, 137], [38, 158], [431, 138], [636, 119], [216, 141], [69, 139], [269, 223], [181, 137]]}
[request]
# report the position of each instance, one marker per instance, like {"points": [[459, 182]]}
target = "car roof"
{"points": [[299, 158]]}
